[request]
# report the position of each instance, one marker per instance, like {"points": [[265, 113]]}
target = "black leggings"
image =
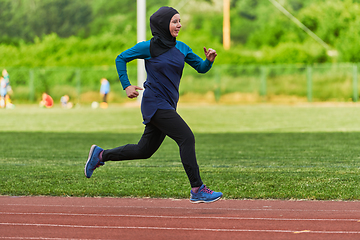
{"points": [[163, 123]]}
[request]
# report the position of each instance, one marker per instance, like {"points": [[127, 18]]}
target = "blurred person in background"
{"points": [[46, 101], [164, 62], [104, 91], [65, 102], [6, 76], [3, 92], [5, 89]]}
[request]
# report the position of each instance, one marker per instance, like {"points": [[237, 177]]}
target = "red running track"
{"points": [[58, 218]]}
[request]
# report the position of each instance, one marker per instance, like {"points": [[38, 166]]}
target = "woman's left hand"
{"points": [[210, 54]]}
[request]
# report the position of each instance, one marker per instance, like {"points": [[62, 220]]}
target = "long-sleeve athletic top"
{"points": [[163, 74]]}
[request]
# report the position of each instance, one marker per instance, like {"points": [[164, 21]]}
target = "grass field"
{"points": [[257, 151]]}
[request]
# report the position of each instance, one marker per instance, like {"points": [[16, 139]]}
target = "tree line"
{"points": [[83, 33]]}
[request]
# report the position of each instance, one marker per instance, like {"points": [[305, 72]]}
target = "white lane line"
{"points": [[183, 217], [178, 229], [190, 208], [45, 238]]}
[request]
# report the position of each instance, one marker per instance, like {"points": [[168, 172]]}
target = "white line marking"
{"points": [[188, 208], [176, 229], [184, 217], [45, 238]]}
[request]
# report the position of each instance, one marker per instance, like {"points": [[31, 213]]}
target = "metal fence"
{"points": [[318, 82]]}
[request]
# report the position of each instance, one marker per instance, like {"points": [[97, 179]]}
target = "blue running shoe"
{"points": [[93, 161], [204, 195]]}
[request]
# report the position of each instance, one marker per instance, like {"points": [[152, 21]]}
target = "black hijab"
{"points": [[162, 40]]}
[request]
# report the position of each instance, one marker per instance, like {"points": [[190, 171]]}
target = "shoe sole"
{"points": [[203, 201], [90, 154]]}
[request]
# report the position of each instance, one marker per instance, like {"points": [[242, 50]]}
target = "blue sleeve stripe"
{"points": [[200, 65], [140, 51]]}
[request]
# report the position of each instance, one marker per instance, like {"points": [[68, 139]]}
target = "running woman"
{"points": [[164, 62]]}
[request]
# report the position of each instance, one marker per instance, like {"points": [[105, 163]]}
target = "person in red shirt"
{"points": [[46, 101]]}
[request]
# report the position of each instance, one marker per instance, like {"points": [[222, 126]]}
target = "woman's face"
{"points": [[175, 25]]}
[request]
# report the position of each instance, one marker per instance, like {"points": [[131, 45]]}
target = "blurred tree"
{"points": [[113, 16], [26, 19], [348, 42], [63, 17], [5, 18], [320, 18], [259, 31]]}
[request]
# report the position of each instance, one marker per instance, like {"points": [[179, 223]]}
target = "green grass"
{"points": [[259, 151]]}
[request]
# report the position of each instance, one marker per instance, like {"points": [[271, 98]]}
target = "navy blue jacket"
{"points": [[163, 74]]}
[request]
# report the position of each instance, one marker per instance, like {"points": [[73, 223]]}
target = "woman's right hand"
{"points": [[131, 91]]}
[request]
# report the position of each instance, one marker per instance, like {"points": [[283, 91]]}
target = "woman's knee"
{"points": [[145, 152], [146, 155]]}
